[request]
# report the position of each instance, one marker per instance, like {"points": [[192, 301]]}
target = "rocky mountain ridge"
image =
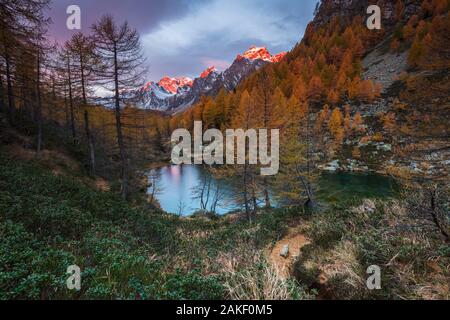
{"points": [[173, 95]]}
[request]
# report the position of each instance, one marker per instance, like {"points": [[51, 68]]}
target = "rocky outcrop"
{"points": [[384, 67], [346, 10]]}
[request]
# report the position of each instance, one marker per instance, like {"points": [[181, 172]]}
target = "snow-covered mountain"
{"points": [[176, 94]]}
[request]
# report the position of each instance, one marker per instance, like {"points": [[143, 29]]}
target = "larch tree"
{"points": [[366, 92], [247, 194], [119, 49], [395, 46], [347, 120], [315, 89], [399, 10], [336, 127], [353, 89], [416, 53], [65, 68], [333, 97], [263, 100], [358, 123], [18, 21], [81, 48], [390, 123], [41, 49]]}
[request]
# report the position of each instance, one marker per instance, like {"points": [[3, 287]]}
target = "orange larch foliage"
{"points": [[347, 120], [358, 123], [389, 122], [353, 89], [315, 89], [333, 97], [399, 10], [335, 125], [395, 45], [322, 118], [356, 153]]}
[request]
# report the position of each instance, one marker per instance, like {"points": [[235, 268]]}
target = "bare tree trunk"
{"points": [[38, 105], [266, 194], [66, 109], [72, 116], [11, 106], [90, 143], [2, 99], [119, 130], [202, 194], [52, 106], [266, 125], [255, 202], [216, 199], [247, 208], [83, 85], [208, 191]]}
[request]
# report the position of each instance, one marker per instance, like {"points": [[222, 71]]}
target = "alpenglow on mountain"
{"points": [[173, 95]]}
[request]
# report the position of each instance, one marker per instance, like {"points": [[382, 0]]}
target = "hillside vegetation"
{"points": [[49, 221]]}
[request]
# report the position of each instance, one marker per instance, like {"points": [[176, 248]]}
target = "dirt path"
{"points": [[295, 240]]}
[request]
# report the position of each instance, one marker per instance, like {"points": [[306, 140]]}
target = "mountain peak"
{"points": [[207, 72], [254, 53], [173, 84], [278, 57]]}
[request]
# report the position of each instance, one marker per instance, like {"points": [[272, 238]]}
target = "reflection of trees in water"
{"points": [[154, 187], [209, 191]]}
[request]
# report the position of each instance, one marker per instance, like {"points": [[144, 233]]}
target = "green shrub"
{"points": [[192, 286]]}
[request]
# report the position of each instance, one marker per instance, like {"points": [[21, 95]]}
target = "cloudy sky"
{"points": [[184, 37]]}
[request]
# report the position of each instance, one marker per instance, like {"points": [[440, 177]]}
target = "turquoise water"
{"points": [[340, 186], [177, 185]]}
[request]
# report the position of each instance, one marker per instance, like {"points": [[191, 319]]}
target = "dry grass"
{"points": [[404, 245], [248, 276], [259, 281], [102, 185], [343, 264]]}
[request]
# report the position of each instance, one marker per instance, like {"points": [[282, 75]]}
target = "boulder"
{"points": [[332, 166], [285, 251], [384, 147]]}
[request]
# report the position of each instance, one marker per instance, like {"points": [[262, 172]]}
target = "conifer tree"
{"points": [[119, 50]]}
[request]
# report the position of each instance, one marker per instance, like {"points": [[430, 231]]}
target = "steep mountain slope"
{"points": [[346, 10], [176, 94]]}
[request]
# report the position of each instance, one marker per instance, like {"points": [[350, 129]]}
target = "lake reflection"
{"points": [[177, 184]]}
